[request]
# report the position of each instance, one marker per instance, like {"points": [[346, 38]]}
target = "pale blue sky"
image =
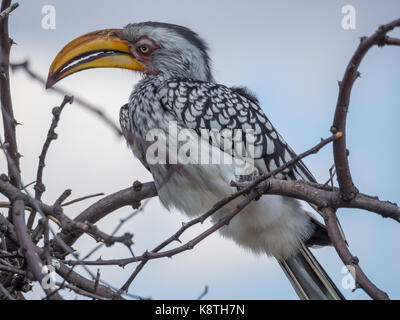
{"points": [[291, 54]]}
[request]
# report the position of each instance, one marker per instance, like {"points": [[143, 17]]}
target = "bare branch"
{"points": [[108, 204], [12, 269], [51, 135], [27, 245], [6, 12], [340, 152], [392, 41], [203, 294], [83, 198], [80, 291], [85, 284], [223, 221], [348, 259], [6, 293], [324, 196], [9, 123]]}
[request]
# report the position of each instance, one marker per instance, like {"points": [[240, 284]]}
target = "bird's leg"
{"points": [[248, 173]]}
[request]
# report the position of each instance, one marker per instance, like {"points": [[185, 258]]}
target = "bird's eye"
{"points": [[144, 49]]}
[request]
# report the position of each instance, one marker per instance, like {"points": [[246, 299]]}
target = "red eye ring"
{"points": [[145, 46]]}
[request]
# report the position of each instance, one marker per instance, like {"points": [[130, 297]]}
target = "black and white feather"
{"points": [[183, 91]]}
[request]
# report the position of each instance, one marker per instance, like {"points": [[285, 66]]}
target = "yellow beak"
{"points": [[98, 49]]}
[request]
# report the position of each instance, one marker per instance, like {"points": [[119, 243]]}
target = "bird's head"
{"points": [[152, 48]]}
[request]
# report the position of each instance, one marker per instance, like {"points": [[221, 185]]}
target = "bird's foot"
{"points": [[244, 176]]}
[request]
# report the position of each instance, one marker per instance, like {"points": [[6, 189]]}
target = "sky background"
{"points": [[291, 54]]}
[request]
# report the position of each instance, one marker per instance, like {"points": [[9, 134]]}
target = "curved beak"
{"points": [[98, 49]]}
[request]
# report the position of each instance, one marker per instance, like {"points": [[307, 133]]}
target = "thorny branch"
{"points": [[21, 256], [6, 12], [340, 152], [51, 135], [9, 123], [253, 194]]}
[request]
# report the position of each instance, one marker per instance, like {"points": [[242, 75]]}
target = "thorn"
{"points": [[333, 130], [355, 260], [362, 39], [339, 83], [56, 111], [69, 99], [137, 185], [136, 205]]}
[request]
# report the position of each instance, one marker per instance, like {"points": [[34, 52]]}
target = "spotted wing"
{"points": [[204, 105]]}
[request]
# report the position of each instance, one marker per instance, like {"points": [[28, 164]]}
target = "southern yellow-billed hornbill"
{"points": [[177, 93]]}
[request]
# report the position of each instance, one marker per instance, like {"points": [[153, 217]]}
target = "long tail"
{"points": [[308, 278]]}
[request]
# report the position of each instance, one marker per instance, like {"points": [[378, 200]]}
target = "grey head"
{"points": [[174, 51]]}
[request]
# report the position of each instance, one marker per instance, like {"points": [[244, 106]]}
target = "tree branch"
{"points": [[6, 12], [9, 123], [324, 196], [51, 135], [27, 245], [348, 259], [347, 187], [106, 205]]}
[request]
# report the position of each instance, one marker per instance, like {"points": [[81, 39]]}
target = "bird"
{"points": [[177, 90]]}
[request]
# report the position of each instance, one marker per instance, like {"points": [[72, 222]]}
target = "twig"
{"points": [[108, 204], [204, 293], [80, 291], [6, 12], [170, 253], [12, 270], [225, 220], [340, 152], [51, 135], [27, 245], [121, 223], [85, 284], [9, 123], [96, 281], [82, 198], [62, 197], [28, 185], [348, 259], [392, 41], [323, 196], [6, 293]]}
